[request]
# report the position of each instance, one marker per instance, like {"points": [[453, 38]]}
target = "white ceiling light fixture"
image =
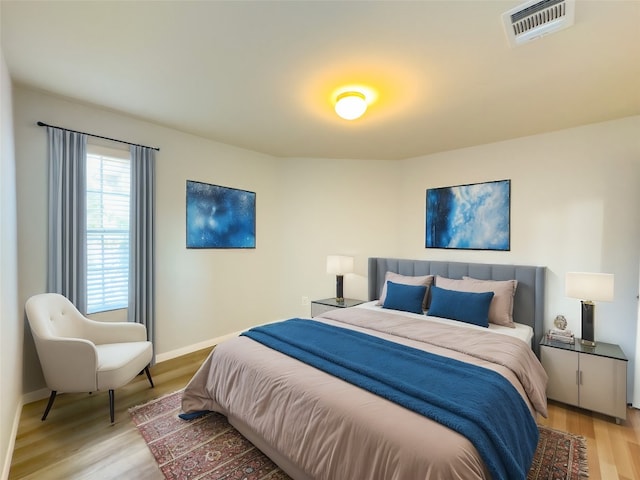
{"points": [[351, 105]]}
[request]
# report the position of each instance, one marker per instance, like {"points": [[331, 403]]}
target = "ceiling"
{"points": [[263, 75]]}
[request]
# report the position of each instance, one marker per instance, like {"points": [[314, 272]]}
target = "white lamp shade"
{"points": [[339, 264], [351, 105], [589, 286]]}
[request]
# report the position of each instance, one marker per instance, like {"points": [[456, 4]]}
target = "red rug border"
{"points": [[580, 440]]}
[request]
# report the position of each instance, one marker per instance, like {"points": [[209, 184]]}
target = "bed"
{"points": [[355, 415]]}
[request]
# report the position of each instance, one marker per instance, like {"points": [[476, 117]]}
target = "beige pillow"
{"points": [[451, 284], [426, 280], [501, 308]]}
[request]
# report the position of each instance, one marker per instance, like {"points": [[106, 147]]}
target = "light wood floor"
{"points": [[77, 441]]}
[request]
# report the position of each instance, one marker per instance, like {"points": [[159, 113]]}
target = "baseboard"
{"points": [[12, 441], [31, 397], [163, 357]]}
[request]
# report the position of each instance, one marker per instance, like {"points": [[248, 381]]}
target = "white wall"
{"points": [[575, 206], [335, 207], [11, 318], [636, 382], [205, 294], [201, 294]]}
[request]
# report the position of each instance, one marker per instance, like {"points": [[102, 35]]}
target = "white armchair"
{"points": [[81, 355]]}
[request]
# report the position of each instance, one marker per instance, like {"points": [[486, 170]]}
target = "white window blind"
{"points": [[108, 191]]}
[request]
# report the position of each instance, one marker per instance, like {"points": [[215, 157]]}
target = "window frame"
{"points": [[120, 303]]}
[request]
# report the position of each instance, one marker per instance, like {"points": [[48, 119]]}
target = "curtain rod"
{"points": [[42, 124]]}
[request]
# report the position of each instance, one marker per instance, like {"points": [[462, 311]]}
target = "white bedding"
{"points": [[521, 331]]}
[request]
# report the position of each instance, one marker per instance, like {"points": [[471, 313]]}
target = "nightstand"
{"points": [[594, 378], [328, 304]]}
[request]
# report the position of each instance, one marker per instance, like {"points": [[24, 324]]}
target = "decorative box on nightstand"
{"points": [[594, 378], [326, 304]]}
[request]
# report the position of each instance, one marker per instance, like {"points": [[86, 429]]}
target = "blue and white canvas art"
{"points": [[220, 217], [475, 217]]}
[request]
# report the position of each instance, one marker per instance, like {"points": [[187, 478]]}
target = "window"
{"points": [[108, 188]]}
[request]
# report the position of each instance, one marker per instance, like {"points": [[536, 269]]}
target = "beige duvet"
{"points": [[315, 426]]}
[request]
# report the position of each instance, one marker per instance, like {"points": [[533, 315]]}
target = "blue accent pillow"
{"points": [[407, 298], [469, 307]]}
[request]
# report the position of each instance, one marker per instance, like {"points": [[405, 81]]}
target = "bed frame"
{"points": [[528, 305], [528, 309]]}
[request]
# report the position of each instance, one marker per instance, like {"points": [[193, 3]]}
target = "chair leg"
{"points": [[112, 405], [146, 370], [52, 397]]}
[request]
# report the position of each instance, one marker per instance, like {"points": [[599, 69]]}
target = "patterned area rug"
{"points": [[208, 448]]}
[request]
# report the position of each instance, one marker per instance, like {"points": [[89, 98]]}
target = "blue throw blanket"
{"points": [[474, 401]]}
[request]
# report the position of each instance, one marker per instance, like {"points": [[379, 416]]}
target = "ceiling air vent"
{"points": [[535, 19]]}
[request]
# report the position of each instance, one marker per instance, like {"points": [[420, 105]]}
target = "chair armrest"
{"points": [[68, 364], [114, 332]]}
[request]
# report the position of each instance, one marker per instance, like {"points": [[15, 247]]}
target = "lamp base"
{"points": [[587, 324], [339, 288]]}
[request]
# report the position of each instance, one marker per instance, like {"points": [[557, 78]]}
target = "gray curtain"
{"points": [[142, 239], [67, 259]]}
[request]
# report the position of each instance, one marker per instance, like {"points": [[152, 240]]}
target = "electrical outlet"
{"points": [[305, 301]]}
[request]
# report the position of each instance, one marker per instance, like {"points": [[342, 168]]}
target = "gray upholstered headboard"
{"points": [[528, 305]]}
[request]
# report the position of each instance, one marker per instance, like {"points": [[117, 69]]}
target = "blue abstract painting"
{"points": [[475, 217], [220, 217]]}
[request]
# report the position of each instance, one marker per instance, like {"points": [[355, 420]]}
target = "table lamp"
{"points": [[589, 287], [339, 265]]}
